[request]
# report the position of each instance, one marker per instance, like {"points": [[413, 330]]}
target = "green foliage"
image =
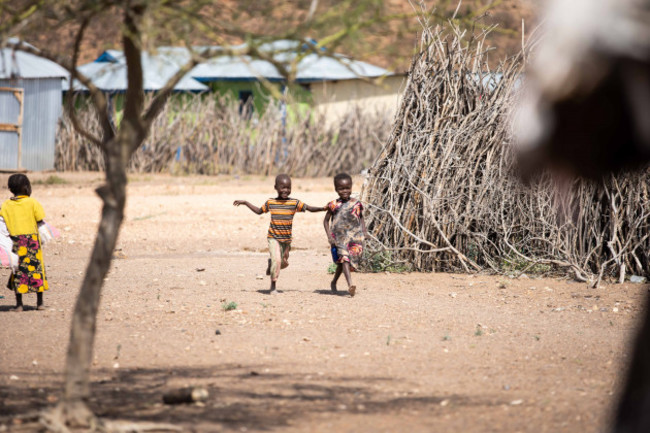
{"points": [[117, 119], [383, 261], [148, 216], [51, 180], [185, 116], [472, 252], [335, 138], [227, 306], [517, 264], [261, 95], [298, 112]]}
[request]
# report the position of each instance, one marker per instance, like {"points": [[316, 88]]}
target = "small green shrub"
{"points": [[227, 306], [517, 264], [51, 180], [383, 261]]}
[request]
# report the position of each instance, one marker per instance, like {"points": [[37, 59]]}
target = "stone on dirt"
{"points": [[185, 395]]}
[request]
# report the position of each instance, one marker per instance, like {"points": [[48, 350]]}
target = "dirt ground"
{"points": [[417, 352]]}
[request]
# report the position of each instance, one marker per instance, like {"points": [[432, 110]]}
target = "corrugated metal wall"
{"points": [[9, 111], [42, 110]]}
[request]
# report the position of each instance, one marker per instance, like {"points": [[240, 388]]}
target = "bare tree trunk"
{"points": [[82, 332], [117, 151]]}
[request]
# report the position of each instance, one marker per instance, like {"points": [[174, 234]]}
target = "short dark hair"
{"points": [[281, 177], [19, 184], [342, 176]]}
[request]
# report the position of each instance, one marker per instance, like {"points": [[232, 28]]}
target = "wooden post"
{"points": [[19, 94], [16, 127]]}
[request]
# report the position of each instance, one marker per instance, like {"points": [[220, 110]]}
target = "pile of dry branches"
{"points": [[209, 135], [442, 196]]}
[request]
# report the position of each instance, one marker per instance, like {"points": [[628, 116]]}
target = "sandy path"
{"points": [[423, 352]]}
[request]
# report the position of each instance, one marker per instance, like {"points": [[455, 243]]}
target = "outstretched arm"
{"points": [[250, 206], [315, 208], [326, 224]]}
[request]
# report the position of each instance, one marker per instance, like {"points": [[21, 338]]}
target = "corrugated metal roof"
{"points": [[315, 66], [112, 77], [108, 73], [235, 68], [312, 67], [166, 60], [19, 64]]}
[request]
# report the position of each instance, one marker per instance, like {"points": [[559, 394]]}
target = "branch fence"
{"points": [[209, 135], [442, 195]]}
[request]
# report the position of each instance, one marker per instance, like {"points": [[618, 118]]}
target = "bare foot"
{"points": [[17, 309], [40, 307], [333, 287], [352, 290], [268, 268]]}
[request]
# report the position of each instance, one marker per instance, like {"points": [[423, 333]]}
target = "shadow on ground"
{"points": [[329, 292], [239, 397], [10, 308]]}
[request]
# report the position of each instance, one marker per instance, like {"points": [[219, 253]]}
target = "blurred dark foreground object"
{"points": [[586, 107], [586, 111]]}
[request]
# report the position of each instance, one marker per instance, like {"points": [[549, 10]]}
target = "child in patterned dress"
{"points": [[23, 216], [282, 209], [347, 232]]}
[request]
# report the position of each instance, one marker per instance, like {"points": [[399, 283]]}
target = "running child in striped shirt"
{"points": [[282, 209]]}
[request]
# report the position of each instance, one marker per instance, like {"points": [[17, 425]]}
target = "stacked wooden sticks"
{"points": [[442, 195], [209, 135]]}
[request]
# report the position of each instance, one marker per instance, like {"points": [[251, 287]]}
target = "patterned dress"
{"points": [[30, 275], [21, 215], [347, 231]]}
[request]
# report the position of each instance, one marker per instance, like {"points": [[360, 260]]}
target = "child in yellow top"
{"points": [[22, 216]]}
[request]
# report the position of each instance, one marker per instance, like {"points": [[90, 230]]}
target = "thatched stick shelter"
{"points": [[443, 197]]}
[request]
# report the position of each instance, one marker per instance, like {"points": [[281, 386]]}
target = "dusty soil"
{"points": [[423, 352]]}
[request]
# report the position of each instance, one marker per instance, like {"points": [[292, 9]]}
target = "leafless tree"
{"points": [[142, 24]]}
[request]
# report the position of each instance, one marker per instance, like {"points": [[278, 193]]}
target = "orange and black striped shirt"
{"points": [[282, 212]]}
